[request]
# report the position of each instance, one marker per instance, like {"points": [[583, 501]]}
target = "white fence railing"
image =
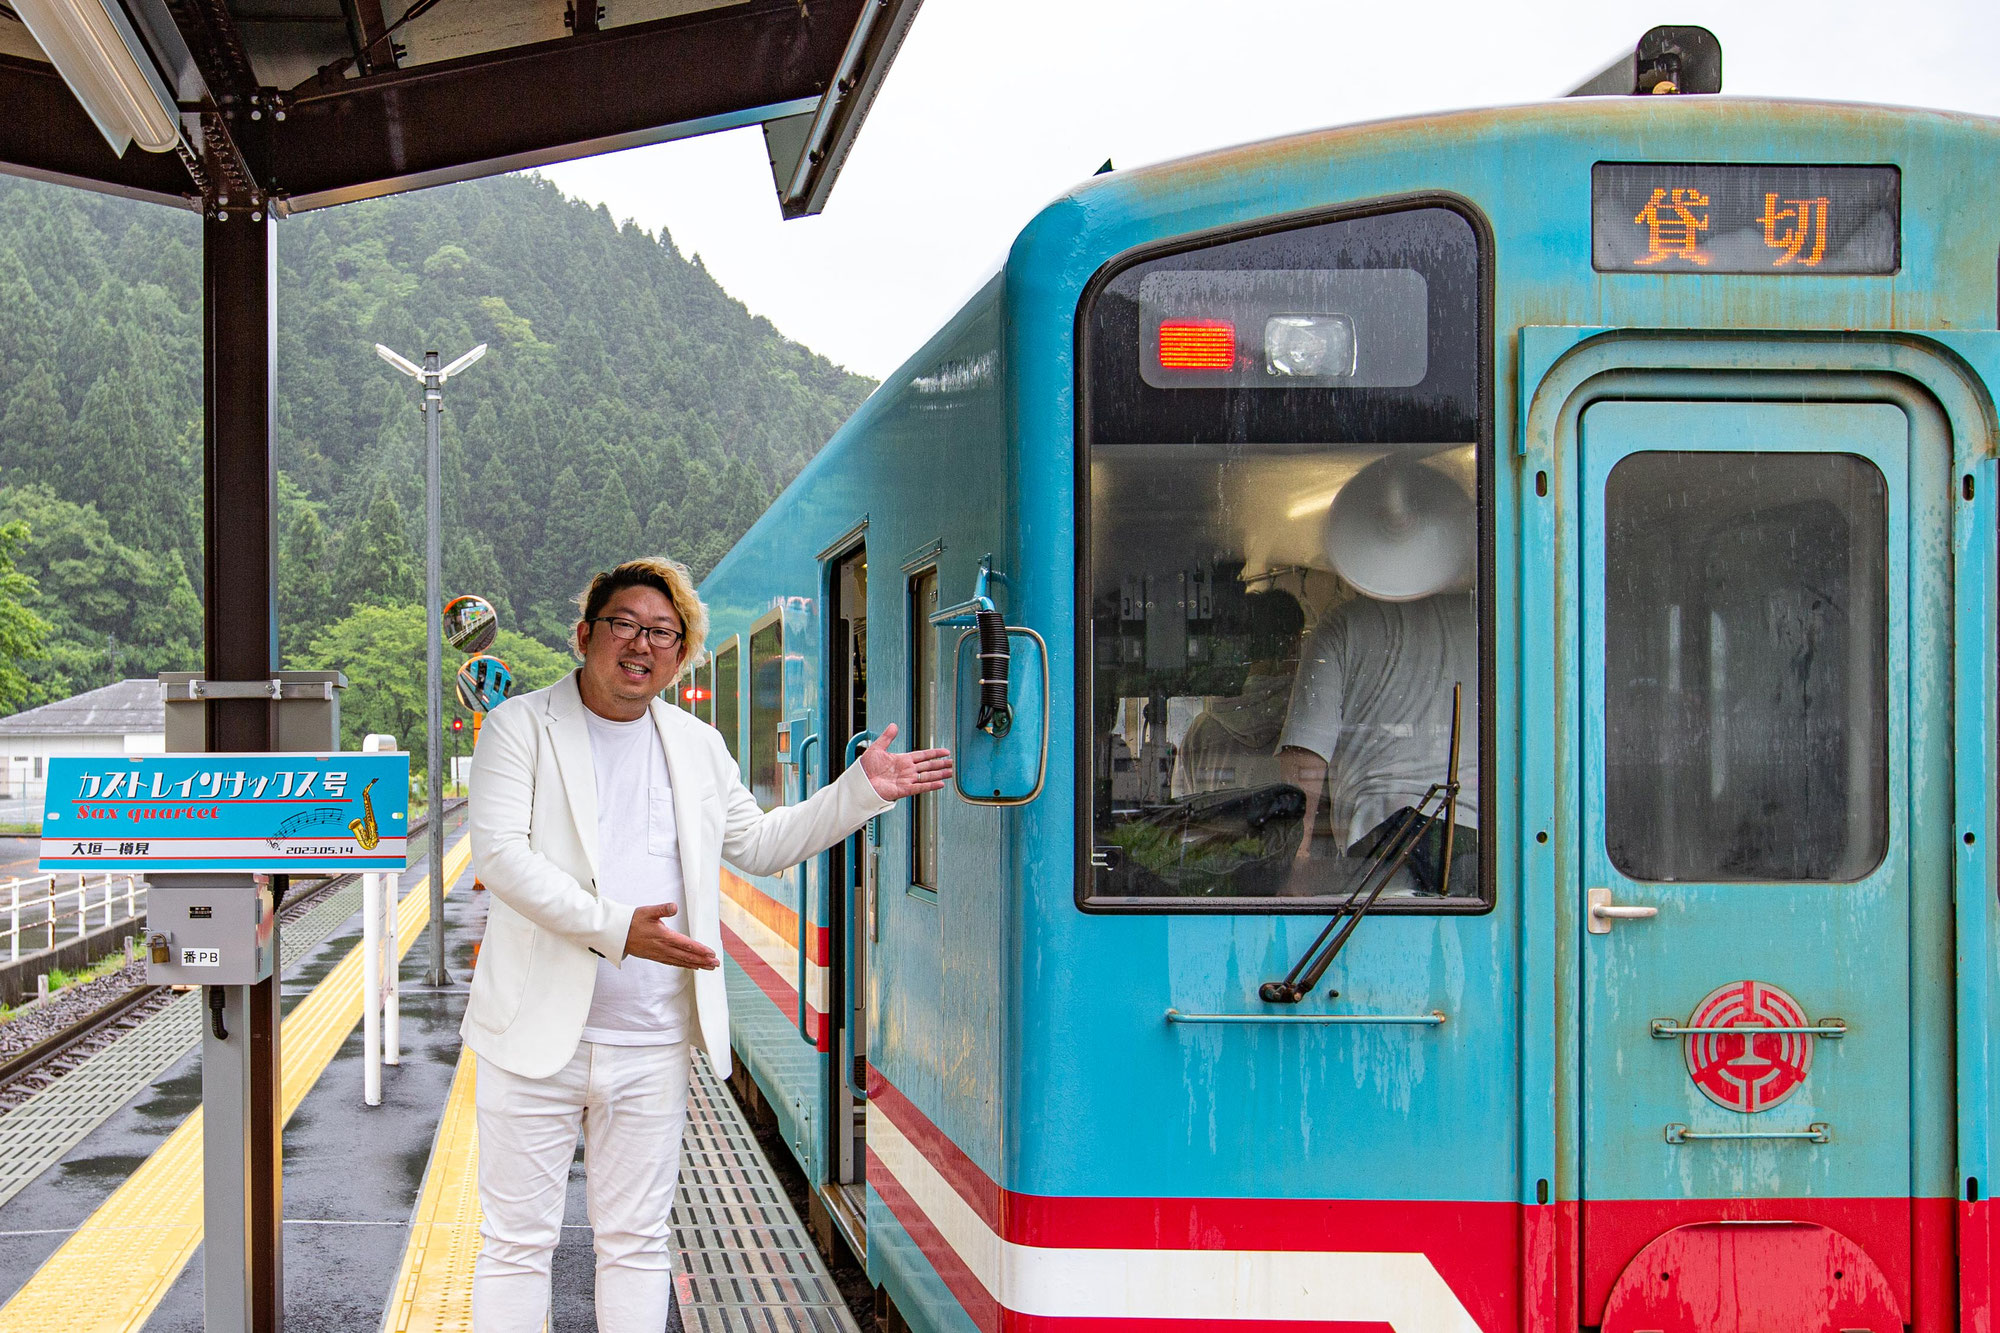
{"points": [[38, 905]]}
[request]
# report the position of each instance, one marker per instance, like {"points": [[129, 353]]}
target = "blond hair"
{"points": [[668, 576]]}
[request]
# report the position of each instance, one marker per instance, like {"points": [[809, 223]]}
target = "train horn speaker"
{"points": [[1401, 530]]}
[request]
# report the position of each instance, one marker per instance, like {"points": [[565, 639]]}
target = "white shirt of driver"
{"points": [[1373, 699], [643, 1003]]}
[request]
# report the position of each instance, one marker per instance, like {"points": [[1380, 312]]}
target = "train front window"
{"points": [[1281, 504]]}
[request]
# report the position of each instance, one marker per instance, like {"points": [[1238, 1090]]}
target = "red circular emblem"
{"points": [[1750, 1072]]}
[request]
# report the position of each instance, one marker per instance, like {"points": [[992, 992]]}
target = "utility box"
{"points": [[308, 704], [209, 930]]}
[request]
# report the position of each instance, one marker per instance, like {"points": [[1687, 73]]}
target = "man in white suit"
{"points": [[599, 813]]}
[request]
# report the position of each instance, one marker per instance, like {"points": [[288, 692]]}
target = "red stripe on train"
{"points": [[779, 991], [1473, 1245], [960, 1280], [1015, 1321], [964, 1175]]}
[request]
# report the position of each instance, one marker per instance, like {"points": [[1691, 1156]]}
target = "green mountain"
{"points": [[628, 405]]}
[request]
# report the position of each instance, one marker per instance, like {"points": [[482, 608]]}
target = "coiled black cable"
{"points": [[996, 715]]}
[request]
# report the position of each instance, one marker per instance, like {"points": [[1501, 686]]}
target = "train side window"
{"points": [[924, 809], [767, 708], [727, 685], [1746, 666], [1281, 491], [703, 679]]}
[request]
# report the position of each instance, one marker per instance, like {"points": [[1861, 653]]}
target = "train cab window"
{"points": [[1281, 482], [767, 709], [1746, 666], [727, 686], [923, 722]]}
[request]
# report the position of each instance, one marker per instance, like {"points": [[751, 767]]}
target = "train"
{"points": [[1469, 645]]}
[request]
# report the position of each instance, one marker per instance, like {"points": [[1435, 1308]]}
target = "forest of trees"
{"points": [[628, 405]]}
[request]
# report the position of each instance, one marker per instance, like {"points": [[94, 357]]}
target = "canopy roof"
{"points": [[305, 103]]}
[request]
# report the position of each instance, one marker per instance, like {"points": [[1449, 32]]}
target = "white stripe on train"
{"points": [[1400, 1289], [781, 954]]}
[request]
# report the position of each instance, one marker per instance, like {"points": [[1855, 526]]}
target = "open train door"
{"points": [[1756, 627]]}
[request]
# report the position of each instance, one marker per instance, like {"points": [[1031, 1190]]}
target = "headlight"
{"points": [[1319, 346]]}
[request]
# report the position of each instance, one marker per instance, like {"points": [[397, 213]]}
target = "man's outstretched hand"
{"points": [[908, 774], [649, 937]]}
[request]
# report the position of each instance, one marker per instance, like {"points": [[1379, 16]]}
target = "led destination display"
{"points": [[1668, 217]]}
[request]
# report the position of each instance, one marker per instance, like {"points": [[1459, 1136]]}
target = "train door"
{"points": [[852, 862], [1748, 806]]}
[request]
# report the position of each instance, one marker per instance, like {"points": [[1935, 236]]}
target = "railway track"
{"points": [[26, 1071]]}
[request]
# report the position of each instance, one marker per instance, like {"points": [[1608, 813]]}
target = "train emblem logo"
{"points": [[1751, 1072]]}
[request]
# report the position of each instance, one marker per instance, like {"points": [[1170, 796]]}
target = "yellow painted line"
{"points": [[114, 1269], [433, 1291]]}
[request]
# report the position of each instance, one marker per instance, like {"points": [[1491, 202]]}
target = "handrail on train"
{"points": [[1433, 1019], [960, 614], [856, 851], [805, 912]]}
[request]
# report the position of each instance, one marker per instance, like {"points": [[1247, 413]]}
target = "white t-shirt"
{"points": [[1373, 699], [643, 1003]]}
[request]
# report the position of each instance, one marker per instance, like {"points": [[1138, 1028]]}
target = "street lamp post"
{"points": [[433, 379]]}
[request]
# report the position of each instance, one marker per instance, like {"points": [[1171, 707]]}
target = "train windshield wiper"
{"points": [[1440, 802]]}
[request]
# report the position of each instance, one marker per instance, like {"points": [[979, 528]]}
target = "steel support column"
{"points": [[240, 642]]}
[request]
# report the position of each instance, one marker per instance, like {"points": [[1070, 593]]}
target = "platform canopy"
{"points": [[297, 104]]}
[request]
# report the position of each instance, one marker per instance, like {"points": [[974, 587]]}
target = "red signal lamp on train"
{"points": [[695, 694], [1197, 344]]}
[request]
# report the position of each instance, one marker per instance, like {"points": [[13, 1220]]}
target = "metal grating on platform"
{"points": [[42, 1130], [746, 1262]]}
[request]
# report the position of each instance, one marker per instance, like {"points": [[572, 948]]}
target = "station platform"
{"points": [[100, 1173]]}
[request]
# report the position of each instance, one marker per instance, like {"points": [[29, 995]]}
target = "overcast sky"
{"points": [[996, 106]]}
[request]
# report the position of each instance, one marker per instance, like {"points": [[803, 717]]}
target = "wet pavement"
{"points": [[351, 1171]]}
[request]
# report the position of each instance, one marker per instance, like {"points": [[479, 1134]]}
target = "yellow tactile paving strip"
{"points": [[111, 1273], [433, 1291]]}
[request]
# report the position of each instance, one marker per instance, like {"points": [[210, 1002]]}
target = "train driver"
{"points": [[1369, 725]]}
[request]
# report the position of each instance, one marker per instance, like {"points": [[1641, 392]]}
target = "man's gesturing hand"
{"points": [[898, 775], [649, 937]]}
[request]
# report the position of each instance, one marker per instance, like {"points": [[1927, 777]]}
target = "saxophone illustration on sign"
{"points": [[364, 829]]}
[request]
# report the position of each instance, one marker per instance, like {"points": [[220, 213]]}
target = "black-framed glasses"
{"points": [[664, 637]]}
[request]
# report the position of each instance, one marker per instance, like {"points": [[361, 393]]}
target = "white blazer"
{"points": [[534, 843]]}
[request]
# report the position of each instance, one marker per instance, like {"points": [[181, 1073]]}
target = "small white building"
{"points": [[129, 717]]}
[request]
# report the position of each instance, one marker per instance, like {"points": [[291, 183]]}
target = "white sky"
{"points": [[996, 106]]}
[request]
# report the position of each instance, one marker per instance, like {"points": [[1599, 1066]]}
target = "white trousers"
{"points": [[631, 1104]]}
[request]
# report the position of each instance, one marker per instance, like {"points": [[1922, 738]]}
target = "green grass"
{"points": [[62, 978], [20, 830]]}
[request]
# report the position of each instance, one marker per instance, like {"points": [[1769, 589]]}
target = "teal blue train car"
{"points": [[1470, 645]]}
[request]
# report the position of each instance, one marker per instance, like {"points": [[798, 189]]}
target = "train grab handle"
{"points": [[805, 913], [1819, 1131], [1433, 1019], [856, 849]]}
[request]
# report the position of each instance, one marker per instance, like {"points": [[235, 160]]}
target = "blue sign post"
{"points": [[237, 813]]}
